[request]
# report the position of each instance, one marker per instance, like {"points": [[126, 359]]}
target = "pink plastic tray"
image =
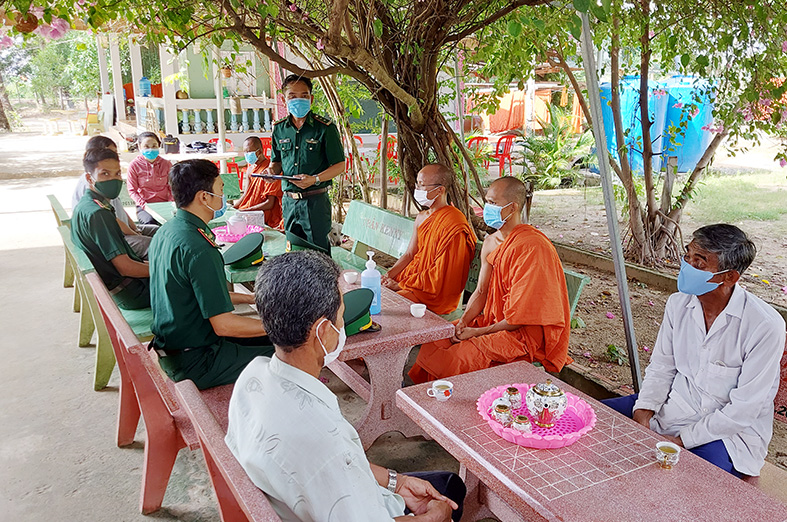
{"points": [[578, 419], [225, 237]]}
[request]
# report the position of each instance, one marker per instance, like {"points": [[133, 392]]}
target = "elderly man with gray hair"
{"points": [[286, 428], [714, 371]]}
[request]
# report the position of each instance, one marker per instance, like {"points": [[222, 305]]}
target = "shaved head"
{"points": [[510, 189], [438, 174], [255, 141]]}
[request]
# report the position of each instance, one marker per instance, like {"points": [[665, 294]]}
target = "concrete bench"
{"points": [[370, 226], [239, 498], [144, 389], [90, 320], [62, 218]]}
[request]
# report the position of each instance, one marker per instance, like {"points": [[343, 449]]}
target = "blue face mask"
{"points": [[220, 212], [694, 281], [150, 154], [251, 157], [493, 215], [299, 107]]}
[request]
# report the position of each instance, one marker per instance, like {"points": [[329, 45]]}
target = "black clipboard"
{"points": [[278, 177]]}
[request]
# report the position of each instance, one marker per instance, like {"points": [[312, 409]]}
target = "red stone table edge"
{"points": [[473, 463]]}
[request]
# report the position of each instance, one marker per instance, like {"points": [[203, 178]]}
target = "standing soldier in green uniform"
{"points": [[95, 229], [196, 334], [308, 147]]}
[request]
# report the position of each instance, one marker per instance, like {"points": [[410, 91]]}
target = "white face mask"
{"points": [[332, 356], [421, 196]]}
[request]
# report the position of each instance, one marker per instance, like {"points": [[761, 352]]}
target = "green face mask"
{"points": [[110, 188]]}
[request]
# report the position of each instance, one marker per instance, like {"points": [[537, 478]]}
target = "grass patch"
{"points": [[732, 199]]}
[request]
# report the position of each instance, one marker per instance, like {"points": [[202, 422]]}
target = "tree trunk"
{"points": [[640, 245], [5, 107]]}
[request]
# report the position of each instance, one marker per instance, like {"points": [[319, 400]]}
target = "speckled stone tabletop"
{"points": [[610, 474]]}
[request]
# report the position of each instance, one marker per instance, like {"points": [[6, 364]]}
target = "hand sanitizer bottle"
{"points": [[370, 278]]}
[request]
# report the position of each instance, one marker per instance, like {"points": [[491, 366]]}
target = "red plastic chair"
{"points": [[477, 144], [348, 162], [231, 164], [167, 427], [390, 152], [503, 152], [266, 147], [239, 498]]}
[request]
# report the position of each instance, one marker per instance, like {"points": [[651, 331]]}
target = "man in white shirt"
{"points": [[285, 426], [714, 371]]}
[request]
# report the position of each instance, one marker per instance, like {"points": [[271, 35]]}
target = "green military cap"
{"points": [[356, 312], [246, 252], [295, 243]]}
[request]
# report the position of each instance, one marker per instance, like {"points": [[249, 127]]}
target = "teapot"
{"points": [[546, 402], [236, 224]]}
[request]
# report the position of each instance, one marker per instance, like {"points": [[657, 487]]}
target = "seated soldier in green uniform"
{"points": [[196, 334], [308, 147], [95, 229]]}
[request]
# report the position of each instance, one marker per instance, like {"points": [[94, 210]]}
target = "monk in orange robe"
{"points": [[434, 269], [261, 194], [519, 310]]}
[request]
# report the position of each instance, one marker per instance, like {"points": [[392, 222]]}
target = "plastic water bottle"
{"points": [[144, 87], [370, 278]]}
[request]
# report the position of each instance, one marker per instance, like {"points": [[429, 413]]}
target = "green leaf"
{"points": [[607, 5], [514, 28], [685, 59], [703, 60], [575, 26], [81, 47], [539, 24], [582, 5], [598, 12], [378, 27]]}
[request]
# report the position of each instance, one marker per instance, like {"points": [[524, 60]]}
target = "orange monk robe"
{"points": [[258, 189], [527, 286], [437, 274]]}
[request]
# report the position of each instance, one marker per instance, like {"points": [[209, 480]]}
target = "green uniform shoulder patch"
{"points": [[282, 120], [322, 119]]}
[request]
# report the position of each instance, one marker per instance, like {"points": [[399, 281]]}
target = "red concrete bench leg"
{"points": [[162, 444], [128, 412]]}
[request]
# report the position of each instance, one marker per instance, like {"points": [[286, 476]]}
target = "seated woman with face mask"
{"points": [[148, 177]]}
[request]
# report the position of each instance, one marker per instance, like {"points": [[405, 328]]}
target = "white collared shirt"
{"points": [[286, 430], [718, 385]]}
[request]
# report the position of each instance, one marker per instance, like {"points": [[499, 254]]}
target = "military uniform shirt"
{"points": [[94, 229], [187, 283], [308, 150]]}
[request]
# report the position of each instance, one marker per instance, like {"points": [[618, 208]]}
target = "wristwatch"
{"points": [[316, 178], [392, 479]]}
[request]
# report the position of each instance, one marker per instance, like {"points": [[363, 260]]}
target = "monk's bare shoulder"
{"points": [[491, 242], [421, 217]]}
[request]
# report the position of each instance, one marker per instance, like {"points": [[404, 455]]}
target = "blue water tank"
{"points": [[685, 91], [144, 87], [632, 121]]}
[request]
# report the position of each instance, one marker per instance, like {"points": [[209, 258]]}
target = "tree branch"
{"points": [[493, 18]]}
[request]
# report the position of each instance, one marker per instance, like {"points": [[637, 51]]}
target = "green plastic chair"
{"points": [[62, 218], [91, 319]]}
